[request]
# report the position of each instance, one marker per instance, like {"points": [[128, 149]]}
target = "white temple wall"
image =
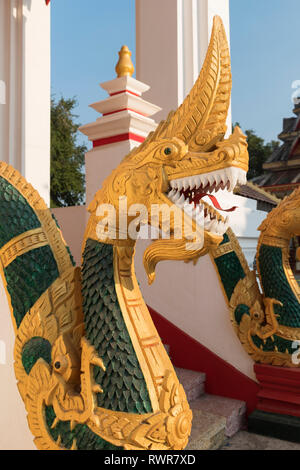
{"points": [[25, 90], [15, 434], [172, 37]]}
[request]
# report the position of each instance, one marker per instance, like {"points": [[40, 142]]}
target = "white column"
{"points": [[25, 144], [172, 37], [25, 78], [124, 125], [157, 52], [2, 92]]}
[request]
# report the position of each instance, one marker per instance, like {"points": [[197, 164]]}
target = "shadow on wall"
{"points": [[72, 221], [2, 353]]}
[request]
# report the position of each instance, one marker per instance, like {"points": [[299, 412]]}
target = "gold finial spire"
{"points": [[125, 66]]}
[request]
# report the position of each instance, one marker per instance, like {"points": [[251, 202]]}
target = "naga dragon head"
{"points": [[165, 179], [284, 220]]}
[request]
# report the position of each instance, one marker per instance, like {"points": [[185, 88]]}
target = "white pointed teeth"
{"points": [[181, 201], [197, 181], [179, 185], [192, 183], [216, 227], [232, 176], [235, 176], [213, 181], [222, 228], [203, 214], [185, 190], [218, 178], [242, 177], [176, 197], [185, 184], [172, 194], [204, 181]]}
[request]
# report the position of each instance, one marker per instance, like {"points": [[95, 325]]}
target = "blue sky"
{"points": [[265, 52]]}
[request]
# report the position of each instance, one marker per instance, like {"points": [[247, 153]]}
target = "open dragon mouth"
{"points": [[187, 194]]}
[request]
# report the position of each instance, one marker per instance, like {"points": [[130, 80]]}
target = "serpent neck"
{"points": [[230, 263], [277, 279], [123, 383]]}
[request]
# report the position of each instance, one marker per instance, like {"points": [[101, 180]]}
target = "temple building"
{"points": [[282, 169]]}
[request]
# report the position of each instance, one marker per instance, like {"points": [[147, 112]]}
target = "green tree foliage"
{"points": [[67, 157], [259, 152]]}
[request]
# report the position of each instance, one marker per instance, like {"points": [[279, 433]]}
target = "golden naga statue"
{"points": [[265, 316], [90, 366]]}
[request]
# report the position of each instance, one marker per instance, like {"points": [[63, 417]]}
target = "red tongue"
{"points": [[214, 201]]}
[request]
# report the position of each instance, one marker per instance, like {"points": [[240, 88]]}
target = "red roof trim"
{"points": [[124, 109], [124, 91], [294, 147], [118, 138], [275, 187]]}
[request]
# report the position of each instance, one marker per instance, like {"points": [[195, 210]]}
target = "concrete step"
{"points": [[215, 418], [244, 440], [208, 431], [192, 382], [233, 411]]}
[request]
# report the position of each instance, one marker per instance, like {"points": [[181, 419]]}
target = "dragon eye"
{"points": [[167, 151], [60, 364]]}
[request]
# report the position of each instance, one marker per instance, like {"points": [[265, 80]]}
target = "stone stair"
{"points": [[215, 418]]}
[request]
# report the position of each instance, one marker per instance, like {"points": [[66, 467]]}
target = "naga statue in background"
{"points": [[91, 368], [266, 320]]}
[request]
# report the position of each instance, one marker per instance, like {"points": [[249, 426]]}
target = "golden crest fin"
{"points": [[201, 119]]}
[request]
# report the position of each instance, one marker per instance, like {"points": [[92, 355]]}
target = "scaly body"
{"points": [[267, 320]]}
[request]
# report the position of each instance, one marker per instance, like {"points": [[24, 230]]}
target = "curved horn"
{"points": [[201, 119]]}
